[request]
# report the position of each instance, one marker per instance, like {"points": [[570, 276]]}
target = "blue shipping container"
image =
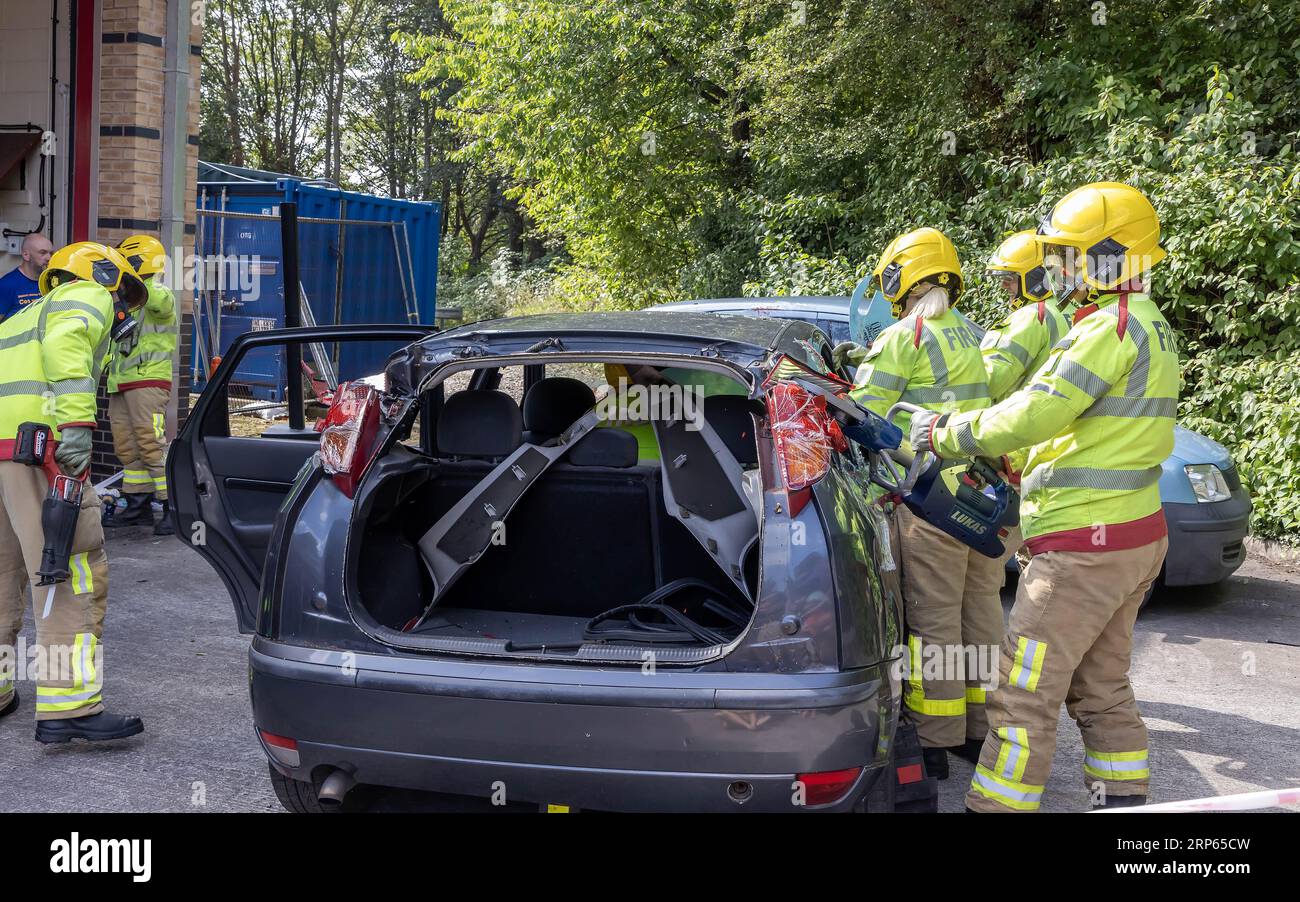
{"points": [[374, 261]]}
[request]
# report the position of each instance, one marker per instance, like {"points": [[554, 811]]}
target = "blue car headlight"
{"points": [[1207, 482]]}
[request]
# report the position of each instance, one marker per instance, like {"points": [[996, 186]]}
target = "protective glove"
{"points": [[923, 423], [73, 452], [848, 355]]}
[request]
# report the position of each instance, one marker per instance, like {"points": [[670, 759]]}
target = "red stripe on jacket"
{"points": [[1103, 537]]}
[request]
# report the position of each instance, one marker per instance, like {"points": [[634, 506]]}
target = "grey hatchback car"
{"points": [[485, 580]]}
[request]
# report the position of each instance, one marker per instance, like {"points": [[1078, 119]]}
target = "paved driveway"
{"points": [[1217, 673]]}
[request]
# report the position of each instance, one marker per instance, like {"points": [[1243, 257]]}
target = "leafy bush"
{"points": [[713, 147]]}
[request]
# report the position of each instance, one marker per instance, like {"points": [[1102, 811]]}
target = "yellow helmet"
{"points": [[96, 263], [1101, 235], [916, 256], [145, 253], [1020, 257]]}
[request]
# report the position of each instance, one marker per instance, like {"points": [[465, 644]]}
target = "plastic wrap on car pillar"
{"points": [[805, 435]]}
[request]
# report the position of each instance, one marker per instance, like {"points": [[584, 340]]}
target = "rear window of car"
{"points": [[837, 330]]}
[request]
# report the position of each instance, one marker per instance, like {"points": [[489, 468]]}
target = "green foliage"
{"points": [[791, 141]]}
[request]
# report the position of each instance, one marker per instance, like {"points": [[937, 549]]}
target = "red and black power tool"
{"points": [[34, 446]]}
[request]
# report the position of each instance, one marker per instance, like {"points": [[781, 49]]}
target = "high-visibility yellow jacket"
{"points": [[51, 357], [1098, 420], [933, 363], [148, 364], [1018, 347]]}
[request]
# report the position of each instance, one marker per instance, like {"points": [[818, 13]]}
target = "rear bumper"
{"points": [[619, 740], [1206, 540]]}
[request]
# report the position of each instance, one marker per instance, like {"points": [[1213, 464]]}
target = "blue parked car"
{"points": [[1206, 506]]}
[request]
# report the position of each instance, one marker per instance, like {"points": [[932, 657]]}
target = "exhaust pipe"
{"points": [[336, 786]]}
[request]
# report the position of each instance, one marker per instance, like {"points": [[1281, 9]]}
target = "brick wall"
{"points": [[131, 147]]}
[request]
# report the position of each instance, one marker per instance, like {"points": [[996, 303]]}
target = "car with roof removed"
{"points": [[484, 581]]}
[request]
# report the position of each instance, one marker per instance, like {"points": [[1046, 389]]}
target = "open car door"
{"points": [[243, 444]]}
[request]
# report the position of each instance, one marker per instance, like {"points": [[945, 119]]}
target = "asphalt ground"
{"points": [[1216, 671]]}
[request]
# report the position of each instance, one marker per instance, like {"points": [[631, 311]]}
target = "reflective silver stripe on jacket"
{"points": [[966, 439], [889, 381], [74, 386], [13, 341], [137, 357], [1015, 348], [1048, 477], [1133, 407], [1136, 386], [937, 394], [1053, 330], [1082, 378], [23, 387], [1137, 377], [938, 365], [60, 304]]}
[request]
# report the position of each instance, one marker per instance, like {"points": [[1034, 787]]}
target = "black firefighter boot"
{"points": [[138, 511], [936, 762], [93, 727], [164, 525], [969, 751]]}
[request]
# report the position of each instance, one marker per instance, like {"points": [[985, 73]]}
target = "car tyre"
{"points": [[298, 797]]}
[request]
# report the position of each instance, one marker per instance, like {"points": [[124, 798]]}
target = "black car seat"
{"points": [[479, 424], [552, 405]]}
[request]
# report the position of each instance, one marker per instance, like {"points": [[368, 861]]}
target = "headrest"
{"points": [[552, 405], [730, 417], [605, 447], [479, 423]]}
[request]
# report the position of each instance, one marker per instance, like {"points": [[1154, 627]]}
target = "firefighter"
{"points": [[931, 357], [1018, 347], [53, 351], [139, 386], [1098, 420]]}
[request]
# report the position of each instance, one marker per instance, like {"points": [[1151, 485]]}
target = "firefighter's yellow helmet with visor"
{"points": [[145, 253], [1018, 263], [1098, 238], [921, 255], [98, 263]]}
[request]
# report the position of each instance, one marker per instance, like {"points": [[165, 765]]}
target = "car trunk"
{"points": [[592, 533], [583, 540]]}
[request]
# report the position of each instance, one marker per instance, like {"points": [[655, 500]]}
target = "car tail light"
{"points": [[805, 435], [281, 748], [347, 434], [828, 785]]}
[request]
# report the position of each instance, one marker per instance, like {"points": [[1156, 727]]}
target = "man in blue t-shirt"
{"points": [[18, 287]]}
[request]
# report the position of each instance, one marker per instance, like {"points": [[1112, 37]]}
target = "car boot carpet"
{"points": [[519, 631]]}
